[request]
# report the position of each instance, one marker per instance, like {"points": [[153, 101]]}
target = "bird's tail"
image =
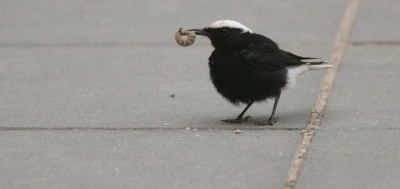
{"points": [[294, 71], [298, 70], [318, 65]]}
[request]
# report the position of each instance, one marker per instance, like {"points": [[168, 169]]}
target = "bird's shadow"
{"points": [[288, 120]]}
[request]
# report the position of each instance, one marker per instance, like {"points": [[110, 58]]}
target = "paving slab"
{"points": [[145, 159], [72, 71], [352, 159], [357, 145], [131, 87], [100, 22], [366, 91], [377, 21]]}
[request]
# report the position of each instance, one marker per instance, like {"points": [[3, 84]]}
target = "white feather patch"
{"points": [[294, 71], [230, 24]]}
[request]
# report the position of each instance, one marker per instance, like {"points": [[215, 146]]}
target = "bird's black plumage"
{"points": [[239, 81], [246, 67]]}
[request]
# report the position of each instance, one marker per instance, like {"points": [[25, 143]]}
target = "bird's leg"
{"points": [[240, 118], [272, 119]]}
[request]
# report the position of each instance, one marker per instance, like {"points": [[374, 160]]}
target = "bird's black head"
{"points": [[226, 35]]}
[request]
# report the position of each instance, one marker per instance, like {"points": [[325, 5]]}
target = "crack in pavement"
{"points": [[339, 48], [140, 128]]}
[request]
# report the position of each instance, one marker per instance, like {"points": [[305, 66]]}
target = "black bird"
{"points": [[246, 67]]}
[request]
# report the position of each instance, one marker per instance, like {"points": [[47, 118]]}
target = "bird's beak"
{"points": [[200, 32]]}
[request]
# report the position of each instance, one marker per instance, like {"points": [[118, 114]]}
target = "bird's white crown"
{"points": [[230, 24]]}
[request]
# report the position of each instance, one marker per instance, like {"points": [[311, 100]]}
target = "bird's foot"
{"points": [[269, 122], [237, 120]]}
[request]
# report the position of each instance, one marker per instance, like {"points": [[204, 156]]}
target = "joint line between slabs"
{"points": [[140, 128], [308, 132]]}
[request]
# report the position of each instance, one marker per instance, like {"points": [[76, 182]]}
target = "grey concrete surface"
{"points": [[136, 22], [365, 93], [127, 87], [353, 159], [85, 97], [377, 22], [145, 159], [357, 146]]}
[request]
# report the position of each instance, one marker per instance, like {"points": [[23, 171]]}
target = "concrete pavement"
{"points": [[145, 159], [86, 97], [358, 144]]}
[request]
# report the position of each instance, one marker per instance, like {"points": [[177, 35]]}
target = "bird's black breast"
{"points": [[238, 81]]}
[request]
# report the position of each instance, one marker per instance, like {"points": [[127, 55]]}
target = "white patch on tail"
{"points": [[294, 71]]}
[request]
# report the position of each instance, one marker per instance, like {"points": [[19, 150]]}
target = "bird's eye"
{"points": [[223, 32]]}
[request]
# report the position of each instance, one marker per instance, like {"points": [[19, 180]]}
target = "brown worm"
{"points": [[189, 40]]}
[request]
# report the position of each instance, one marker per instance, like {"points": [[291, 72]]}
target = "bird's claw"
{"points": [[269, 122], [237, 120]]}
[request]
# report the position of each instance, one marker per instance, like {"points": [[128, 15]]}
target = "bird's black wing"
{"points": [[297, 56], [263, 53]]}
